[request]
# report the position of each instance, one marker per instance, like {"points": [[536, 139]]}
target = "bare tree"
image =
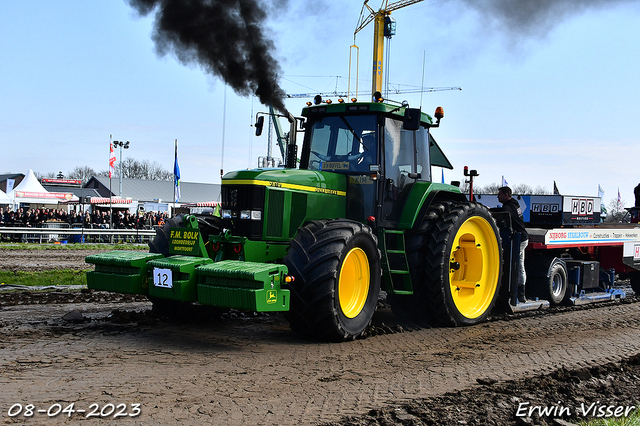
{"points": [[48, 175], [616, 212], [83, 173], [135, 169], [487, 189], [520, 189]]}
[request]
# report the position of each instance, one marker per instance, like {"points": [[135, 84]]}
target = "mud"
{"points": [[227, 368], [46, 260]]}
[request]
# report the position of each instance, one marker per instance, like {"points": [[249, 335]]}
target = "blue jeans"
{"points": [[522, 274]]}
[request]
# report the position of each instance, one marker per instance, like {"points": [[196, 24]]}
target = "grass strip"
{"points": [[32, 246], [42, 278], [632, 420]]}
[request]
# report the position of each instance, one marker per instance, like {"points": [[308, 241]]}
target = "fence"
{"points": [[63, 233]]}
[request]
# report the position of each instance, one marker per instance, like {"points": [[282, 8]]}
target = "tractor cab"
{"points": [[381, 149]]}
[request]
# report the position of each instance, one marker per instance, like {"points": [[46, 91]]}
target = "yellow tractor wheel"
{"points": [[463, 265], [337, 269]]}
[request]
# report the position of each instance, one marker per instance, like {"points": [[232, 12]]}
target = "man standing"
{"points": [[512, 206], [636, 192]]}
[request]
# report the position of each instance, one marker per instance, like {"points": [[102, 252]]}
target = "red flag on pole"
{"points": [[112, 160]]}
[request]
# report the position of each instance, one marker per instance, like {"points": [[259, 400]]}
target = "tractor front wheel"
{"points": [[337, 271]]}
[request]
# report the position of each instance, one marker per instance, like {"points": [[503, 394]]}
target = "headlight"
{"points": [[226, 214], [256, 215], [245, 214]]}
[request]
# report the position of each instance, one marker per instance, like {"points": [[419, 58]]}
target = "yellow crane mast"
{"points": [[384, 25]]}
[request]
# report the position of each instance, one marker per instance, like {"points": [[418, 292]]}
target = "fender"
{"points": [[421, 196]]}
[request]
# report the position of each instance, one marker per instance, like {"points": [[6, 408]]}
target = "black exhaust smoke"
{"points": [[536, 17], [225, 37]]}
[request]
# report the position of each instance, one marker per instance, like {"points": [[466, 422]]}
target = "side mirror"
{"points": [[259, 125], [411, 119]]}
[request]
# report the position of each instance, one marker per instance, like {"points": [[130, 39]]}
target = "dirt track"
{"points": [[253, 370]]}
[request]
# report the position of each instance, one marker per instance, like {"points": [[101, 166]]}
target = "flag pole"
{"points": [[110, 199], [175, 161], [176, 177]]}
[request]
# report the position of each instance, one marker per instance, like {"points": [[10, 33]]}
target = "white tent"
{"points": [[4, 198], [30, 191]]}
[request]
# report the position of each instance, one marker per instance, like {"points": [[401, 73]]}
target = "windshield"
{"points": [[344, 143]]}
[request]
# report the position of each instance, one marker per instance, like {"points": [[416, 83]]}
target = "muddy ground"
{"points": [[84, 348]]}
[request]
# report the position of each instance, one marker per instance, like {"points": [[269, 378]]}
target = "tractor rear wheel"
{"points": [[463, 266], [337, 269]]}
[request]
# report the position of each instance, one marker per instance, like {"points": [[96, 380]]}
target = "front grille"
{"points": [[275, 214], [243, 197]]}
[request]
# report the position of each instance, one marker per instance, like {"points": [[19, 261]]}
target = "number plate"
{"points": [[162, 278]]}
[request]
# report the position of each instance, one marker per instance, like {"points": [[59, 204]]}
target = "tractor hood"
{"points": [[301, 180]]}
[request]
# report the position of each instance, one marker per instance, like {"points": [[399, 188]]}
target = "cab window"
{"points": [[343, 143]]}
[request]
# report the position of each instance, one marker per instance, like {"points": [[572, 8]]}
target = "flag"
{"points": [[176, 176], [112, 160], [556, 191], [442, 175], [504, 182], [600, 191], [619, 201]]}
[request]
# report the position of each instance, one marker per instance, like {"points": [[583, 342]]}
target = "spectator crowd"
{"points": [[34, 218]]}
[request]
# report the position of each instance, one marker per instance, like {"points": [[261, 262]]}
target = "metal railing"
{"points": [[75, 235]]}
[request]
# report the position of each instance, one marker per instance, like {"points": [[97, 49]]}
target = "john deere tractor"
{"points": [[321, 237]]}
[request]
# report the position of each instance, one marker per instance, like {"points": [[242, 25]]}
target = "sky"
{"points": [[547, 95]]}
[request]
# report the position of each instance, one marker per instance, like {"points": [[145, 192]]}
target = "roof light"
{"points": [[328, 101], [309, 104], [354, 100], [341, 100], [439, 113]]}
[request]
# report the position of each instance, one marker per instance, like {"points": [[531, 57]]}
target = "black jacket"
{"points": [[517, 222]]}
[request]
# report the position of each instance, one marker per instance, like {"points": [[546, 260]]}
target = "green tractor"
{"points": [[321, 239]]}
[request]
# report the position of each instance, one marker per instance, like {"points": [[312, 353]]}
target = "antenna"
{"points": [[424, 53]]}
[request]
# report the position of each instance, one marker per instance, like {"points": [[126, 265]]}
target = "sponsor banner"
{"points": [[62, 181], [105, 200], [184, 241], [553, 210], [50, 195], [632, 249], [579, 210], [543, 209], [581, 236]]}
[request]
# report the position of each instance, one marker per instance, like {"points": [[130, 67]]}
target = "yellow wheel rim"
{"points": [[353, 282], [474, 267]]}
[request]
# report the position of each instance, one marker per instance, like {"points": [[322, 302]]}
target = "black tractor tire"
{"points": [[160, 243], [411, 308], [463, 267], [337, 269], [634, 279]]}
